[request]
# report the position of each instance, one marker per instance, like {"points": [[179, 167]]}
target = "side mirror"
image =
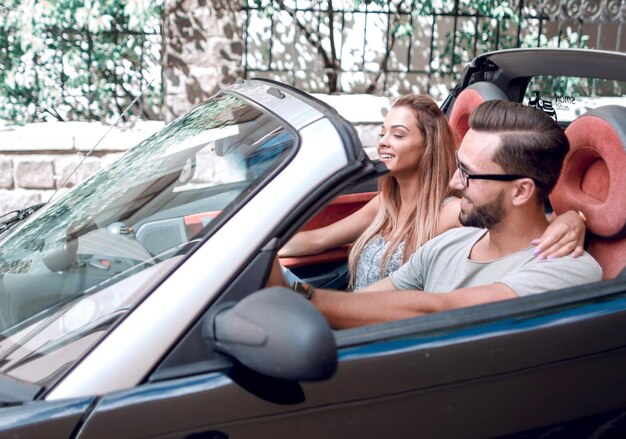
{"points": [[277, 333]]}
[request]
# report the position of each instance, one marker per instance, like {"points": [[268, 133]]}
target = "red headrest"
{"points": [[470, 98], [593, 178]]}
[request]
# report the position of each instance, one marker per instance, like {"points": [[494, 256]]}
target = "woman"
{"points": [[415, 202]]}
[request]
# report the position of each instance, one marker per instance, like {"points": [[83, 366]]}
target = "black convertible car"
{"points": [[135, 305]]}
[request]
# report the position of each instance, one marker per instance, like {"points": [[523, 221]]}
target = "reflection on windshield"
{"points": [[80, 263]]}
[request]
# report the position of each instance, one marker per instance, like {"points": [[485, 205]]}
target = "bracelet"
{"points": [[582, 216], [304, 289]]}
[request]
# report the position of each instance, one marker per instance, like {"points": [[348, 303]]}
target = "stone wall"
{"points": [[202, 51], [40, 159]]}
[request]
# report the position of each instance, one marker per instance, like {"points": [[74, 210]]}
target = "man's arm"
{"points": [[384, 284], [347, 310]]}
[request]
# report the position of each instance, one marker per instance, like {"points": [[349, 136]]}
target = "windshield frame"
{"points": [[146, 285]]}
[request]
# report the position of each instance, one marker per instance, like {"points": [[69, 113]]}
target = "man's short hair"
{"points": [[532, 143]]}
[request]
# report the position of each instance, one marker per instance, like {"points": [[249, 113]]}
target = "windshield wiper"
{"points": [[18, 216]]}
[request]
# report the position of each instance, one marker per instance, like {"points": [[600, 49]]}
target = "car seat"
{"points": [[470, 98], [593, 181]]}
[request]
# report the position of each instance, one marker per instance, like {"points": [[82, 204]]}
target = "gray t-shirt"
{"points": [[443, 264]]}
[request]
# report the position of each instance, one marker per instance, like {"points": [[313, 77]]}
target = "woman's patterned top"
{"points": [[368, 267]]}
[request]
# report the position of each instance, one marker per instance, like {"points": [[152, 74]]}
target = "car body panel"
{"points": [[511, 71], [557, 62], [50, 419], [435, 381]]}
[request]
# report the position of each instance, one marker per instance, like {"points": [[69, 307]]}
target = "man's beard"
{"points": [[486, 215]]}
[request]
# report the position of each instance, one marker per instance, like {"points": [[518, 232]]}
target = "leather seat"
{"points": [[470, 98], [593, 181]]}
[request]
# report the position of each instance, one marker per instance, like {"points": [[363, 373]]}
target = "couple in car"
{"points": [[410, 257]]}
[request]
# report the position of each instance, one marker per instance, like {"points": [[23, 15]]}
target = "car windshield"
{"points": [[75, 267]]}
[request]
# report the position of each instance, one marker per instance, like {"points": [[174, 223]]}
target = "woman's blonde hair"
{"points": [[434, 170]]}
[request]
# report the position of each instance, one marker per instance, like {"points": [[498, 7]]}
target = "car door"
{"points": [[329, 269], [59, 419], [475, 372]]}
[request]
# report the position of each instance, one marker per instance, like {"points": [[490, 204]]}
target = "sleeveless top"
{"points": [[368, 266]]}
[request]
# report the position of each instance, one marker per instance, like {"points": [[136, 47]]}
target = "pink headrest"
{"points": [[470, 98], [593, 177]]}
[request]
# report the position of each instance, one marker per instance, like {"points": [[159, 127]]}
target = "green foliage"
{"points": [[562, 85], [498, 27], [78, 59], [88, 59], [493, 30], [266, 6]]}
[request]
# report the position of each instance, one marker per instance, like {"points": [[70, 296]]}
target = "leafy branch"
{"points": [[77, 59]]}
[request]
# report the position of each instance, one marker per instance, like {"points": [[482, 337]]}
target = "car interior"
{"points": [[468, 99], [329, 269], [593, 181]]}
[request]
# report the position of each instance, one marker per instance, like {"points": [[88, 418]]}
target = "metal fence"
{"points": [[409, 46], [355, 46], [130, 79]]}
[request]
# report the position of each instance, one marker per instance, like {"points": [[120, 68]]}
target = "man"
{"points": [[508, 163]]}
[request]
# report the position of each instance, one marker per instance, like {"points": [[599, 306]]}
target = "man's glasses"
{"points": [[466, 176]]}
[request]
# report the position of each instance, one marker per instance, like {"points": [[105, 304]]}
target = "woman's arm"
{"points": [[564, 236], [344, 231]]}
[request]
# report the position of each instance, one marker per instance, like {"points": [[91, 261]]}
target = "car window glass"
{"points": [[74, 268], [565, 98], [194, 355]]}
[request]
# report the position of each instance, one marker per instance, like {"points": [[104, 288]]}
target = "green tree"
{"points": [[79, 59]]}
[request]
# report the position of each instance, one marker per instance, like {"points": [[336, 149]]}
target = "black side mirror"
{"points": [[277, 333]]}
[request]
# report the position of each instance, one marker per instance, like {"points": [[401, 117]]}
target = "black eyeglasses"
{"points": [[466, 176]]}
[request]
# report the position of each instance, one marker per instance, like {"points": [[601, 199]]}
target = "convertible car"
{"points": [[136, 304]]}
